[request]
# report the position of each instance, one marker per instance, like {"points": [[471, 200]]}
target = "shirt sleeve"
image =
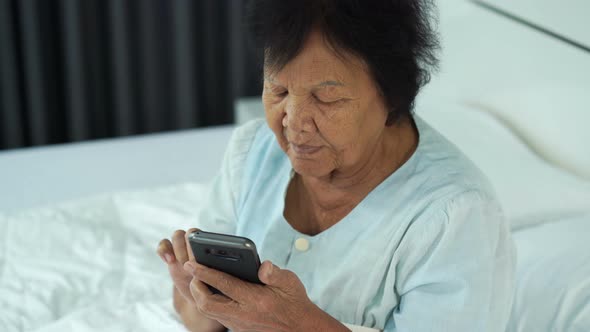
{"points": [[219, 211], [456, 271]]}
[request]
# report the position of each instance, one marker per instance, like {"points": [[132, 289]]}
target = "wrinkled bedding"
{"points": [[90, 265]]}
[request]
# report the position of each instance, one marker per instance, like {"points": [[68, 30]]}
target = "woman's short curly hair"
{"points": [[396, 39]]}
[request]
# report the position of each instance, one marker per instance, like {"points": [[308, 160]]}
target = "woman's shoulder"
{"points": [[245, 133], [439, 181], [257, 145], [244, 138], [451, 198], [238, 148], [250, 149], [446, 168]]}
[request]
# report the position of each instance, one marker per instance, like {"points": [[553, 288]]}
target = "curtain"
{"points": [[74, 70]]}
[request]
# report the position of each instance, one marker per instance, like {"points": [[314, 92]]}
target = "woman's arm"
{"points": [[457, 270]]}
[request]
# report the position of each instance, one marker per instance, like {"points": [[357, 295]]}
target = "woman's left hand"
{"points": [[279, 305]]}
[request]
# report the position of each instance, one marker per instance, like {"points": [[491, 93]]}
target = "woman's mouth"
{"points": [[305, 149]]}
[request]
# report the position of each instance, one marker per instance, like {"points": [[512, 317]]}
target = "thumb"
{"points": [[272, 275]]}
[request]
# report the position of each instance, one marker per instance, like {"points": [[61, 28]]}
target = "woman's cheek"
{"points": [[336, 125], [273, 114], [274, 119]]}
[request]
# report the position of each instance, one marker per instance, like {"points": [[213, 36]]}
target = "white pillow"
{"points": [[537, 84], [531, 190], [553, 277], [552, 118]]}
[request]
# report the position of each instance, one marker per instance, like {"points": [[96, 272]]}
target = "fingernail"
{"points": [[269, 270], [168, 258]]}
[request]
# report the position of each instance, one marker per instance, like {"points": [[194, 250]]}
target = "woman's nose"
{"points": [[299, 115]]}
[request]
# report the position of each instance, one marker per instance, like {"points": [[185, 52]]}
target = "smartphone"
{"points": [[231, 254]]}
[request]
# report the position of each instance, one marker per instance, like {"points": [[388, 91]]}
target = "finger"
{"points": [[265, 272], [211, 305], [199, 289], [274, 276], [229, 285], [191, 256], [179, 246], [165, 251]]}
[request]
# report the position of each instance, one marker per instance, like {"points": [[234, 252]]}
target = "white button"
{"points": [[301, 244]]}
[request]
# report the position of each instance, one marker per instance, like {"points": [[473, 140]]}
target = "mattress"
{"points": [[45, 175]]}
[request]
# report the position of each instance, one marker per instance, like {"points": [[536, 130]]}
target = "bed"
{"points": [[79, 223]]}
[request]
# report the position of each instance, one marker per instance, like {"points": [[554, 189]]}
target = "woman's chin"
{"points": [[309, 167]]}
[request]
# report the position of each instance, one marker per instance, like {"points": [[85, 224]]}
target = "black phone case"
{"points": [[231, 254]]}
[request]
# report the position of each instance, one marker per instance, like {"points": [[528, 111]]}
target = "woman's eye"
{"points": [[283, 93], [327, 102]]}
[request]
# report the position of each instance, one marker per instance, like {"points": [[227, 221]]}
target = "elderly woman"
{"points": [[365, 215]]}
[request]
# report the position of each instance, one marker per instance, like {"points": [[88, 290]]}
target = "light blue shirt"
{"points": [[429, 249]]}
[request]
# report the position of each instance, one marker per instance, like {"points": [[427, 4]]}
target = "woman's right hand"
{"points": [[175, 253]]}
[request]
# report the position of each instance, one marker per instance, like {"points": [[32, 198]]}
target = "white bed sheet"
{"points": [[90, 265]]}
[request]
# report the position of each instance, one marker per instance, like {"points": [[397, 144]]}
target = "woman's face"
{"points": [[326, 112]]}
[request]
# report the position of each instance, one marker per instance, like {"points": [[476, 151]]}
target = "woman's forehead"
{"points": [[310, 82], [317, 64], [302, 73]]}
